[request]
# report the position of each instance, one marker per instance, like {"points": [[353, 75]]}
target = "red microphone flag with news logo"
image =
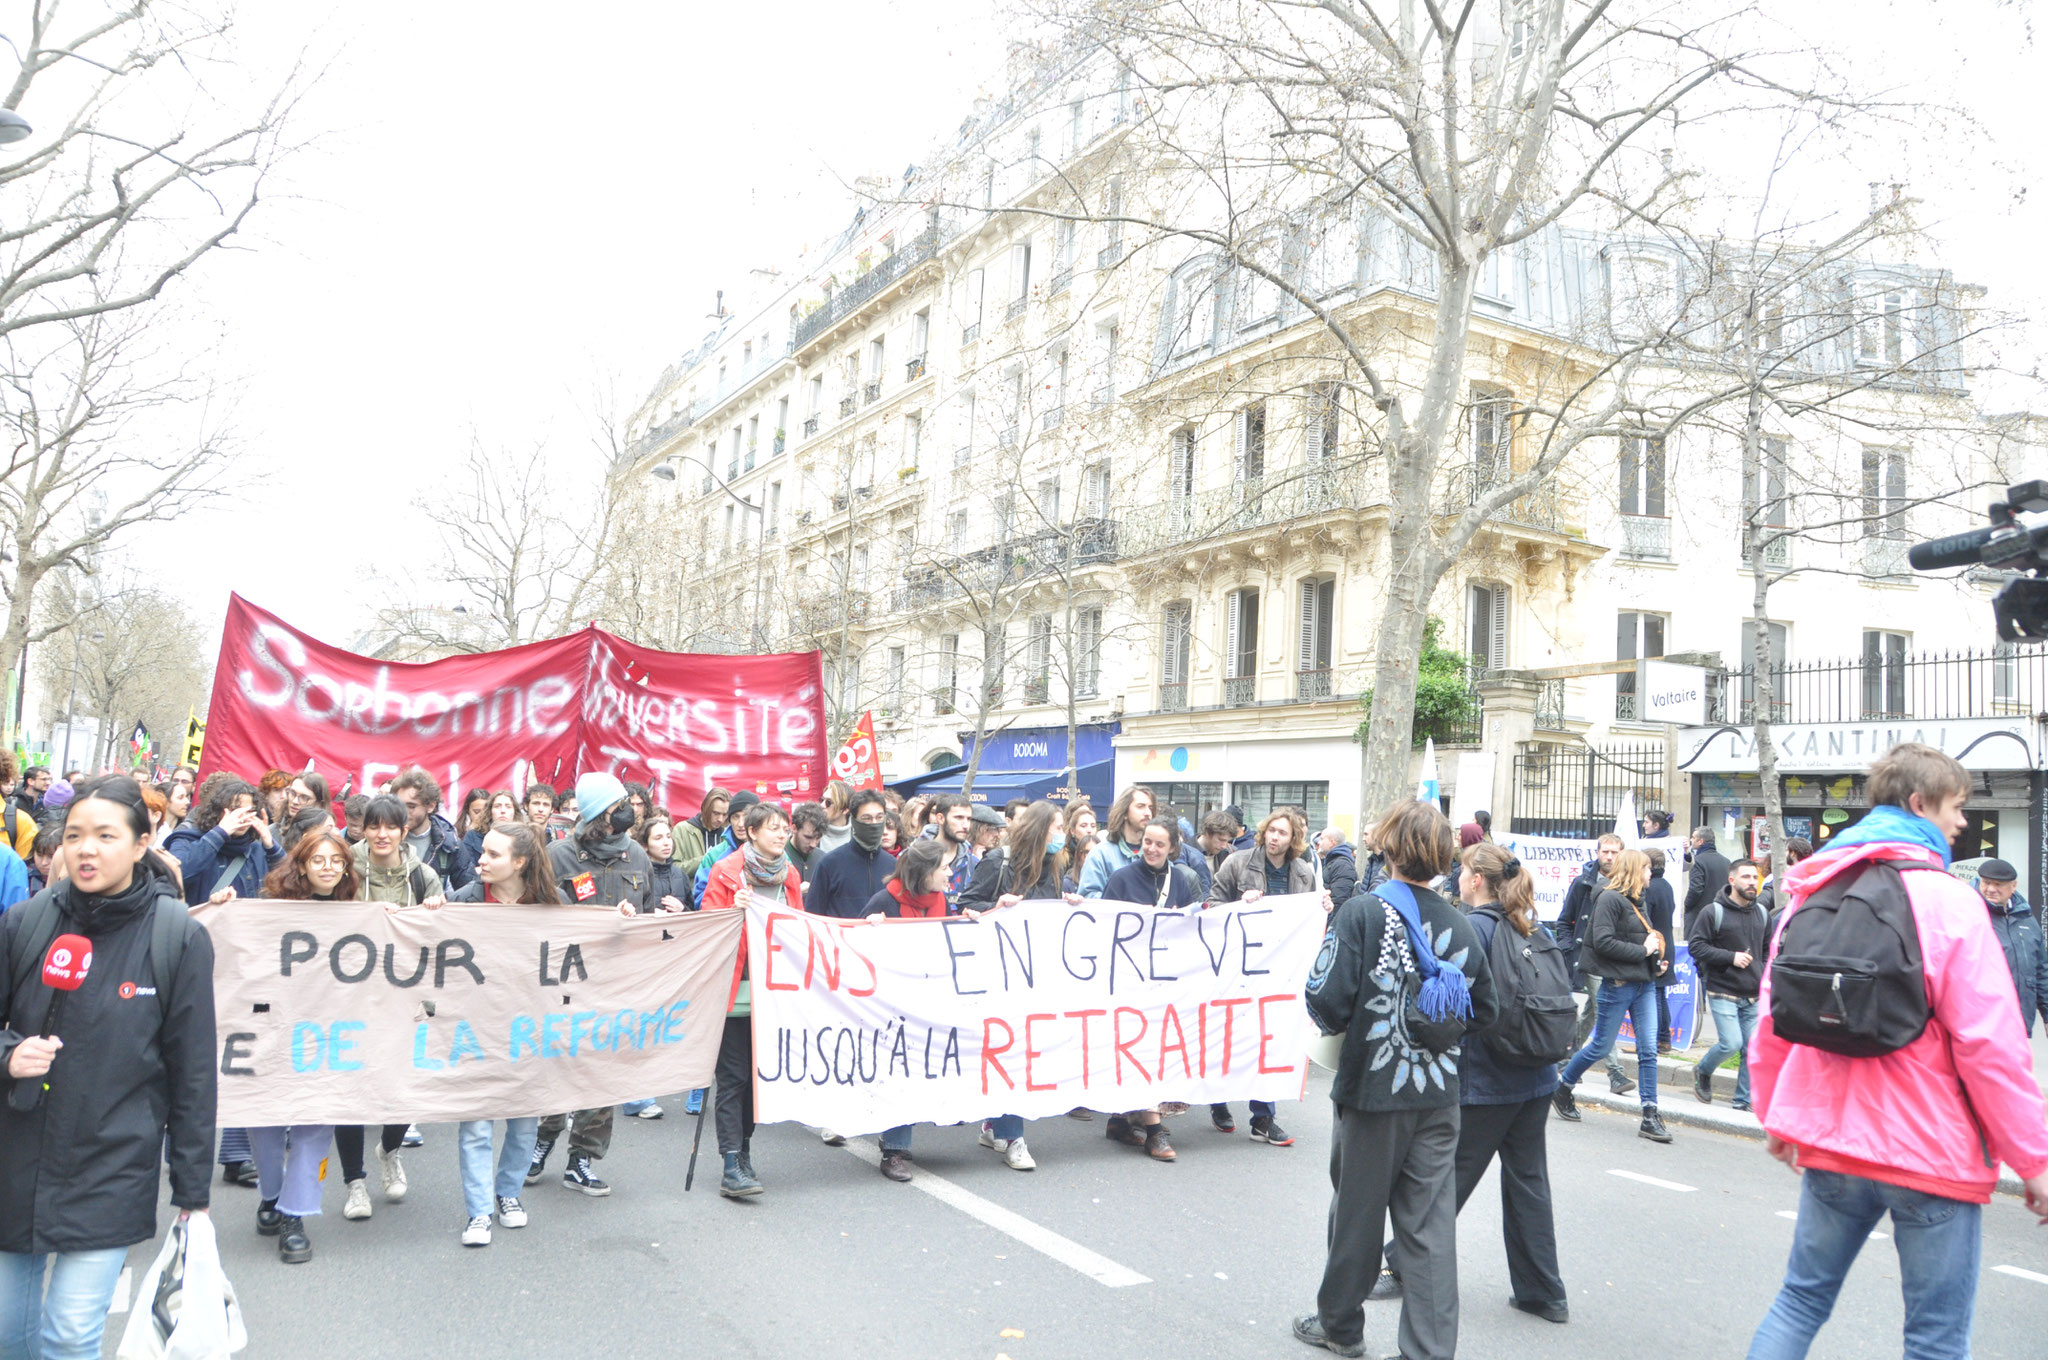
{"points": [[857, 763], [540, 713], [67, 963]]}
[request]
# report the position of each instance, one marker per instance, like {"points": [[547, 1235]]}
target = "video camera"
{"points": [[2015, 540]]}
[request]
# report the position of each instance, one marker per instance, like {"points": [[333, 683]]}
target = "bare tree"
{"points": [[133, 654], [1453, 135]]}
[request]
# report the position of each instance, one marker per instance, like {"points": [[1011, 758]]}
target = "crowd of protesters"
{"points": [[1454, 1001]]}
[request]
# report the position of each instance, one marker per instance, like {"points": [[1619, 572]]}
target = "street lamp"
{"points": [[13, 128]]}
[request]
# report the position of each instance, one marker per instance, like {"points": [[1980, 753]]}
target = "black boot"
{"points": [[1703, 1086], [294, 1248], [1653, 1126], [1561, 1100], [268, 1218]]}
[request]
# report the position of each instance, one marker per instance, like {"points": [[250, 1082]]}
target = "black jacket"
{"points": [[1709, 876], [1615, 943], [1381, 1069], [1743, 931], [1340, 873], [846, 879], [1576, 917], [1661, 907], [619, 872], [79, 1171], [670, 880], [1139, 882], [992, 879]]}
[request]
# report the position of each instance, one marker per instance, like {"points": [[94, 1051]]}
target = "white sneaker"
{"points": [[989, 1139], [652, 1111], [412, 1136], [1018, 1157], [358, 1206], [394, 1175], [511, 1213], [831, 1139], [478, 1233]]}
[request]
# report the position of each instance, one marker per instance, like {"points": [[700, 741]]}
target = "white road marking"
{"points": [[2034, 1275], [1652, 1180], [119, 1303], [1039, 1238]]}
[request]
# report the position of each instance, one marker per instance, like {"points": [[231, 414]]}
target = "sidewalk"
{"points": [[1678, 1105]]}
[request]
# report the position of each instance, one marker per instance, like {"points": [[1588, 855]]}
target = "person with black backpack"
{"points": [[1730, 940], [124, 1082], [1506, 1075], [1628, 954], [1889, 1064]]}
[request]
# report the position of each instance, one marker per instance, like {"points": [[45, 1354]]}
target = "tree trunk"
{"points": [[1764, 685]]}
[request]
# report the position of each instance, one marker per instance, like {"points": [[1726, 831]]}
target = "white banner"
{"points": [[1032, 1010], [1554, 863]]}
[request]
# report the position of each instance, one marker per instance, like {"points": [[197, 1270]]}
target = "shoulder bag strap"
{"points": [[227, 874], [39, 916], [167, 935]]}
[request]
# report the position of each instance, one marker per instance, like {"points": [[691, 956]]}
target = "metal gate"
{"points": [[1574, 792]]}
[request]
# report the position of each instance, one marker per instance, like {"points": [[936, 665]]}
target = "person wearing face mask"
{"points": [[320, 868], [848, 878], [758, 872], [511, 868], [597, 864]]}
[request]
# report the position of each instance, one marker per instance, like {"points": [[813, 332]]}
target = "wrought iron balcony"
{"points": [[1007, 437], [1110, 256], [1105, 396], [847, 406], [1037, 689], [970, 332], [1312, 685], [914, 370], [1538, 509], [747, 463], [872, 392], [1647, 537], [1240, 691], [776, 447], [858, 293], [1279, 499], [1885, 558], [1173, 698], [810, 426], [1016, 309], [963, 455], [732, 467], [1060, 282], [1051, 419]]}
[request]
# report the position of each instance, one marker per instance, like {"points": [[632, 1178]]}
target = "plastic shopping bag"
{"points": [[185, 1308]]}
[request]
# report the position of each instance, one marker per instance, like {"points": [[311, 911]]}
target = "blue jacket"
{"points": [[448, 855], [203, 856], [13, 877], [1139, 882], [2026, 954], [1484, 1079], [726, 843], [1192, 856], [846, 879]]}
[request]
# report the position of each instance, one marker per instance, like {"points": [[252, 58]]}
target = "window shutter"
{"points": [[1497, 658], [1326, 623], [1314, 424], [1173, 671], [1307, 659], [1653, 476], [1239, 439], [1895, 493], [1232, 624], [1631, 455]]}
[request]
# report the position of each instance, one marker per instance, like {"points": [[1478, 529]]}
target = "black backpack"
{"points": [[1534, 985], [1848, 978]]}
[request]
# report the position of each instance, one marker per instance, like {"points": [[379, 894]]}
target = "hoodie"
{"points": [[1939, 1114], [1744, 929]]}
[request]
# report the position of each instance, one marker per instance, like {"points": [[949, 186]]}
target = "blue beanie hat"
{"points": [[595, 794]]}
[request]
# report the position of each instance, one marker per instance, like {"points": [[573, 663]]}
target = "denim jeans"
{"points": [[473, 1142], [1006, 1126], [1940, 1244], [634, 1107], [1734, 1026], [1638, 1000], [65, 1322]]}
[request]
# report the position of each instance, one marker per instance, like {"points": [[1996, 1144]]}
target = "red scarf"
{"points": [[923, 906]]}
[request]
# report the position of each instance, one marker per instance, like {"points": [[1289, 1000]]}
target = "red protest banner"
{"points": [[857, 762], [542, 713]]}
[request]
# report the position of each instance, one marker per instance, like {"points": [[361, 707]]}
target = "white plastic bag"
{"points": [[185, 1308]]}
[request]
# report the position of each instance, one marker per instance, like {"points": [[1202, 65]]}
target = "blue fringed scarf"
{"points": [[1887, 823], [1446, 992]]}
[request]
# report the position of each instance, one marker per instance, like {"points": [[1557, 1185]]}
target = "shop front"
{"points": [[1821, 779], [1030, 763], [1193, 775]]}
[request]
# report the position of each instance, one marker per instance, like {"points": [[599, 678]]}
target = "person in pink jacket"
{"points": [[1917, 1133]]}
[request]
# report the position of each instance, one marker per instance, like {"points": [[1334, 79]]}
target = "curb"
{"points": [[1713, 1117]]}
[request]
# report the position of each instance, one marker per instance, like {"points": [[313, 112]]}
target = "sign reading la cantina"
{"points": [[1979, 743], [1031, 1010]]}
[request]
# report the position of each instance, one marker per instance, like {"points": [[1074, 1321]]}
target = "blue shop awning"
{"points": [[1000, 786]]}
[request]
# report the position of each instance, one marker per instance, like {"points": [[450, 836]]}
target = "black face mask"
{"points": [[867, 835], [621, 818]]}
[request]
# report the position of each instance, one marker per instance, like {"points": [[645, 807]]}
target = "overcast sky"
{"points": [[507, 210]]}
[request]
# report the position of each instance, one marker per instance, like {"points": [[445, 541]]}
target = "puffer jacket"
{"points": [[1617, 945], [1245, 870], [1941, 1113]]}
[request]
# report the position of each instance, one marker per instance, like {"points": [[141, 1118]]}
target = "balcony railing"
{"points": [[1051, 419], [1998, 682], [1536, 510], [1248, 505], [776, 447], [1105, 396], [1037, 689], [1311, 685], [970, 332], [1777, 552], [914, 370], [1240, 691], [872, 392], [1016, 309], [857, 294], [1885, 558], [963, 455], [1646, 536], [847, 406], [1060, 282], [1173, 698], [1007, 437], [942, 701], [1110, 256], [1011, 562], [1550, 707], [732, 467], [810, 426], [747, 463]]}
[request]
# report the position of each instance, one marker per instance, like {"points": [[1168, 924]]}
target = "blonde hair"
{"points": [[1297, 831], [1508, 881], [1631, 874]]}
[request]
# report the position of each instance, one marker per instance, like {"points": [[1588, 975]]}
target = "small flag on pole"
{"points": [[1429, 789], [1625, 819], [139, 739]]}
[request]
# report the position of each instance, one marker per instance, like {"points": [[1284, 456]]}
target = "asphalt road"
{"points": [[835, 1261]]}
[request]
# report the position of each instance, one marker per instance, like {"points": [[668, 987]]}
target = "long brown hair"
{"points": [[537, 886], [288, 881], [1508, 881], [1113, 826], [1024, 847], [1631, 874]]}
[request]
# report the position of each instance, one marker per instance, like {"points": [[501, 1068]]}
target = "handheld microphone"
{"points": [[64, 968]]}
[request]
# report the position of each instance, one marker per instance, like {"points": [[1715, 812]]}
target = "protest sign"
{"points": [[545, 712], [1032, 1010], [1553, 863], [354, 1013]]}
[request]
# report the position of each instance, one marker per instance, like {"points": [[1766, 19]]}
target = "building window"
{"points": [[970, 305], [913, 439], [1321, 422], [1020, 276], [920, 340], [956, 531], [1884, 493], [1317, 630], [1077, 135], [1492, 437], [1486, 609], [1767, 503], [1880, 333], [1193, 801], [1258, 800], [1038, 661], [774, 508], [1250, 444], [1095, 490], [1777, 643], [1176, 645], [899, 674], [1190, 309], [1049, 501], [1087, 652], [1639, 295], [1642, 475], [1884, 675], [1635, 635], [1180, 474], [1241, 647], [949, 674], [2005, 681]]}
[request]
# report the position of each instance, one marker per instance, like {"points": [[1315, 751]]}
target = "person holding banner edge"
{"points": [[915, 892], [1278, 862], [84, 1134], [512, 868]]}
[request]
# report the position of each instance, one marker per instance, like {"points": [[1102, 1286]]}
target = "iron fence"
{"points": [[1884, 685], [1575, 791]]}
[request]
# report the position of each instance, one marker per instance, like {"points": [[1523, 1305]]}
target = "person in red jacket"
{"points": [[758, 870], [1916, 1133]]}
